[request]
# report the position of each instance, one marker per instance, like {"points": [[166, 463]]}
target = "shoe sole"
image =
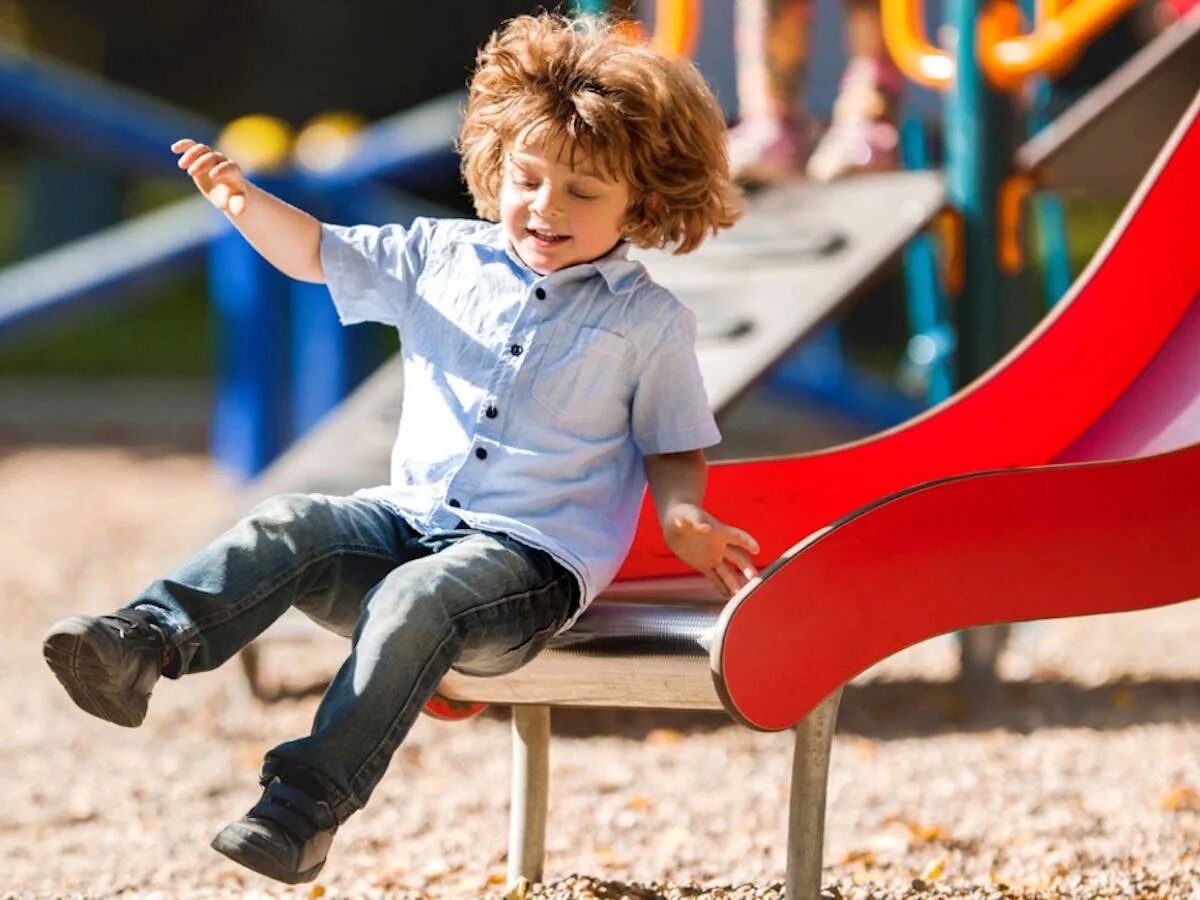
{"points": [[82, 658], [243, 850]]}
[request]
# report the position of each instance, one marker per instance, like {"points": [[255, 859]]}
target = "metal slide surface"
{"points": [[1026, 411]]}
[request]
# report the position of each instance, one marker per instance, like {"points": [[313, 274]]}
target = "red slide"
{"points": [[1048, 399], [1000, 547], [1113, 526]]}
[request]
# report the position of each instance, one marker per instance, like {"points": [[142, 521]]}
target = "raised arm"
{"points": [[288, 238], [720, 552]]}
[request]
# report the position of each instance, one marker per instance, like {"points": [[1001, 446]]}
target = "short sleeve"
{"points": [[371, 271], [671, 412]]}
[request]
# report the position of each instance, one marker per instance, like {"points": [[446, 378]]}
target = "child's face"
{"points": [[555, 215]]}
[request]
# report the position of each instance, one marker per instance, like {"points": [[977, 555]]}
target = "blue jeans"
{"points": [[415, 605]]}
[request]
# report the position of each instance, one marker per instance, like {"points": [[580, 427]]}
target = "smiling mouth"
{"points": [[547, 237]]}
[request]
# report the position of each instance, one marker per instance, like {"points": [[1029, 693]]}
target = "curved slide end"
{"points": [[1008, 546]]}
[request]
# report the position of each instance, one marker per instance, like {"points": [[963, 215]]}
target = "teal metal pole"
{"points": [[1049, 214], [972, 177]]}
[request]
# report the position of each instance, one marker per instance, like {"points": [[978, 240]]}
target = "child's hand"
{"points": [[217, 177], [719, 552]]}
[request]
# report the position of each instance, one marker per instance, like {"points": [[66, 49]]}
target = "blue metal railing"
{"points": [[271, 388]]}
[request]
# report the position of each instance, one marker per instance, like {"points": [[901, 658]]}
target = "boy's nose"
{"points": [[545, 203]]}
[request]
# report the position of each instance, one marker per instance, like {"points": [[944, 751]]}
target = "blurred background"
{"points": [[151, 340], [151, 368]]}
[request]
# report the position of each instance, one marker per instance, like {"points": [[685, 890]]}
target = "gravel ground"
{"points": [[1078, 777]]}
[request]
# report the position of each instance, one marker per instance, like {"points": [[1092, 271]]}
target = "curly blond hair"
{"points": [[639, 115]]}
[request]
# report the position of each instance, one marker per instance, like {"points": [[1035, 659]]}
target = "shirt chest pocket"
{"points": [[582, 376]]}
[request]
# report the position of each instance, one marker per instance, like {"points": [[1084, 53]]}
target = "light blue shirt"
{"points": [[529, 400]]}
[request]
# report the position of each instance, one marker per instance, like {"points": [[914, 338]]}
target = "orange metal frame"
{"points": [[676, 27], [1006, 56]]}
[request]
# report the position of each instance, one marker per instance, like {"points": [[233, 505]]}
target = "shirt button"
{"points": [[454, 503], [516, 349], [491, 412], [480, 453], [540, 293]]}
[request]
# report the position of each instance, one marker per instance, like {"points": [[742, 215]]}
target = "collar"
{"points": [[619, 272]]}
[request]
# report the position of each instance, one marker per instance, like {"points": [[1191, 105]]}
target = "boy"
{"points": [[547, 381]]}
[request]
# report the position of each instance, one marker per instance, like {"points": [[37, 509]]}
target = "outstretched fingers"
{"points": [[189, 151], [219, 178]]}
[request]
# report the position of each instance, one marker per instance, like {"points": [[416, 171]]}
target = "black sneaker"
{"points": [[285, 836], [108, 664]]}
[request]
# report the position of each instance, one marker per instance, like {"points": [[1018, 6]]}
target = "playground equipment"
{"points": [[1069, 466], [268, 393], [1108, 532], [1108, 383]]}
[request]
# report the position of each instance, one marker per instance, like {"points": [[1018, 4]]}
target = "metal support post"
{"points": [[930, 359], [806, 813], [250, 424], [973, 172], [530, 793], [328, 360]]}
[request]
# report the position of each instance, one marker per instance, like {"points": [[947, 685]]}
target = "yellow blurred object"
{"points": [[676, 27], [1009, 57], [934, 870], [1013, 192], [257, 143], [948, 226], [1182, 799], [328, 140], [904, 34]]}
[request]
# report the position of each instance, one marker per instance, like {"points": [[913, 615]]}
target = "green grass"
{"points": [[166, 333]]}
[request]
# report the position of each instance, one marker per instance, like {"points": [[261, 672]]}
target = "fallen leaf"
{"points": [[317, 890], [925, 834], [866, 857], [639, 801], [934, 870], [1182, 799]]}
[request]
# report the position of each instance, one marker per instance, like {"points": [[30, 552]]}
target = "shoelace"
{"points": [[132, 625]]}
